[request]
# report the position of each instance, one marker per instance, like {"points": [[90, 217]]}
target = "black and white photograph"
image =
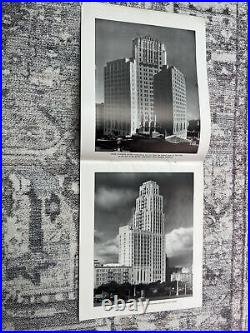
{"points": [[140, 237], [143, 236], [146, 89]]}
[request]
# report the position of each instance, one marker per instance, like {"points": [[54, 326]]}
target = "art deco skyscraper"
{"points": [[142, 244], [149, 55], [128, 88]]}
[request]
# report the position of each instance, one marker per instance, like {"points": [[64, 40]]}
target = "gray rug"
{"points": [[41, 87]]}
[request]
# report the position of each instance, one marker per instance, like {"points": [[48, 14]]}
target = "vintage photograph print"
{"points": [[143, 236], [146, 89]]}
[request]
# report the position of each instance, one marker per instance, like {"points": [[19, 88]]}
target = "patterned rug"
{"points": [[41, 89]]}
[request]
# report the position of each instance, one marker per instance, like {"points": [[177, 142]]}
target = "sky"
{"points": [[114, 41], [115, 195]]}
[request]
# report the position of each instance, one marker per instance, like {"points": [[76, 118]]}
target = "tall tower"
{"points": [[142, 244], [150, 55], [148, 214]]}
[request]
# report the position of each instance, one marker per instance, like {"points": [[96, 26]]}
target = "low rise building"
{"points": [[185, 276], [106, 273]]}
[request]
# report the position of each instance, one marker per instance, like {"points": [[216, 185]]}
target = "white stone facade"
{"points": [[106, 273], [142, 244], [150, 55]]}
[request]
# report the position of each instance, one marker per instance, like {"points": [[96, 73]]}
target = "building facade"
{"points": [[99, 119], [120, 97], [107, 273], [170, 102], [185, 276], [142, 244], [150, 55], [128, 88]]}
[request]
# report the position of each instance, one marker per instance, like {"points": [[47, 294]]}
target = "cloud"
{"points": [[184, 260], [179, 242], [108, 199], [98, 236], [107, 251]]}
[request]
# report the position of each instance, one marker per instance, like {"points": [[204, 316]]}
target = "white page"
{"points": [[126, 54]]}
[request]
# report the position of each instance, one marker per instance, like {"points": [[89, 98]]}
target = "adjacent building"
{"points": [[99, 120], [193, 129], [142, 243], [120, 97], [170, 102], [107, 273], [184, 275]]}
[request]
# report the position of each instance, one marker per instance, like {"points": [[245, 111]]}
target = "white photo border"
{"points": [[86, 246], [91, 12]]}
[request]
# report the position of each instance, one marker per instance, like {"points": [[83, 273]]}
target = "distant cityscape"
{"points": [[142, 270], [145, 104]]}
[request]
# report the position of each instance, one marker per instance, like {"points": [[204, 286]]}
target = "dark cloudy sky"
{"points": [[115, 195], [114, 41]]}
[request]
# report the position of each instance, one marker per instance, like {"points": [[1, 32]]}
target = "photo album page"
{"points": [[145, 130]]}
